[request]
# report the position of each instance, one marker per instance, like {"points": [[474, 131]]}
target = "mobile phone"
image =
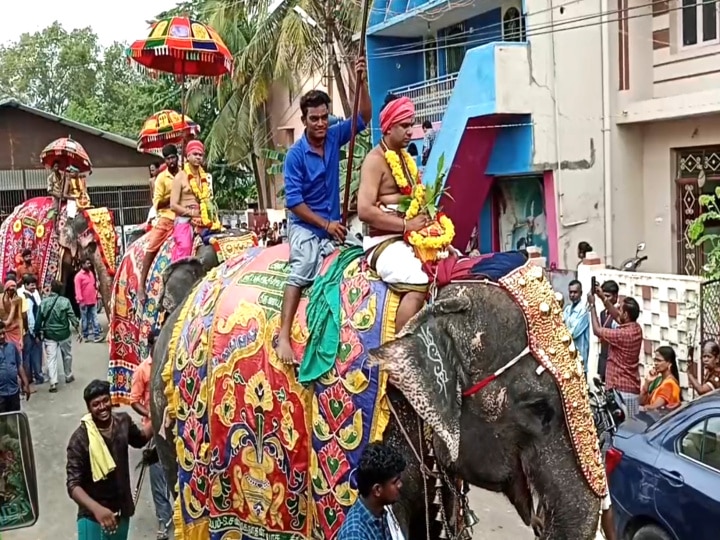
{"points": [[593, 284]]}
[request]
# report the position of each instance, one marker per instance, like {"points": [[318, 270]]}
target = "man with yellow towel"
{"points": [[98, 471]]}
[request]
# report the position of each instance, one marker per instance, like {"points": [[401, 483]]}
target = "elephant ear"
{"points": [[421, 364]]}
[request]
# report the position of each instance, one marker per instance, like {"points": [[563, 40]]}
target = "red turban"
{"points": [[398, 110], [10, 284], [194, 146]]}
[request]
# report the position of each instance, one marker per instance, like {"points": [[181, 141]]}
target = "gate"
{"points": [[710, 310]]}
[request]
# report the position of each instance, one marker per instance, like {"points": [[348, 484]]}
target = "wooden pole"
{"points": [[356, 106]]}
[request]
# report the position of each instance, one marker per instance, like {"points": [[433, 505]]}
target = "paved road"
{"points": [[53, 417]]}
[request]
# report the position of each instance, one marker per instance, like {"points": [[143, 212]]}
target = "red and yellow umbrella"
{"points": [[184, 47], [165, 127], [67, 152]]}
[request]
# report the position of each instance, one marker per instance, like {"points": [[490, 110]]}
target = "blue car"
{"points": [[664, 473]]}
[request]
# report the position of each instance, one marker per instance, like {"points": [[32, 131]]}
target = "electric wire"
{"points": [[394, 51]]}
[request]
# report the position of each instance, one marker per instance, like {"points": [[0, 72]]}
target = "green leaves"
{"points": [[704, 231]]}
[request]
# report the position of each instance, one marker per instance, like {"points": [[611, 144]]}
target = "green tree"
{"points": [[51, 68]]}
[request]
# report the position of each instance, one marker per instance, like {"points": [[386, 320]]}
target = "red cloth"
{"points": [[85, 288], [194, 146], [451, 269], [398, 110], [623, 360]]}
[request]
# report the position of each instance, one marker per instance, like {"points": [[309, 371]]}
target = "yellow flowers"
{"points": [[204, 196], [433, 238], [17, 226], [432, 242], [40, 230]]}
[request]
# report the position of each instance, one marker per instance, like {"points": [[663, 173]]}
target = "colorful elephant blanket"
{"points": [[129, 329], [261, 456], [31, 226]]}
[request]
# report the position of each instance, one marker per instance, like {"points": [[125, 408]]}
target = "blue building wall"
{"points": [[387, 71], [512, 152]]}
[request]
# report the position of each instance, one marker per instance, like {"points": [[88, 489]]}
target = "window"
{"points": [[702, 442], [512, 25], [455, 39], [431, 60], [699, 22]]}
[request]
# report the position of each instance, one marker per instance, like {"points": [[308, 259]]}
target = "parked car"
{"points": [[664, 473]]}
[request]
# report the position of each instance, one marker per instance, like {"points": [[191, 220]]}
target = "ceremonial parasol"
{"points": [[165, 127], [184, 47], [68, 153]]}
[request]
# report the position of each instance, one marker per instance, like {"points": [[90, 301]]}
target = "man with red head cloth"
{"points": [[191, 199], [387, 173]]}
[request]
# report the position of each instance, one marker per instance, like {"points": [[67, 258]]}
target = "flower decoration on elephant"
{"points": [[432, 242]]}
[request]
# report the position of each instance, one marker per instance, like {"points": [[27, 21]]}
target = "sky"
{"points": [[111, 21]]}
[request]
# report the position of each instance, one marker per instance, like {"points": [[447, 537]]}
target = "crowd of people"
{"points": [[36, 329]]}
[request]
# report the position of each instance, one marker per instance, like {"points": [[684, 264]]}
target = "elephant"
{"points": [[471, 399], [167, 285], [36, 225]]}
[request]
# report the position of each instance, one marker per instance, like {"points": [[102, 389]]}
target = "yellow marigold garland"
{"points": [[204, 196], [414, 188]]}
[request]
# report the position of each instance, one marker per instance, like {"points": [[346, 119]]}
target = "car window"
{"points": [[664, 419], [702, 442]]}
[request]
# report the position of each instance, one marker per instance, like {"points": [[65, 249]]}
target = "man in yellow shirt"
{"points": [[163, 228]]}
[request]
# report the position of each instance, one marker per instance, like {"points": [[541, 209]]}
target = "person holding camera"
{"points": [[54, 326]]}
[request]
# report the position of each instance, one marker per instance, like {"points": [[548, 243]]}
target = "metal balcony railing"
{"points": [[430, 97]]}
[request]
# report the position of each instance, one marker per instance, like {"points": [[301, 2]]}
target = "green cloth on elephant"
{"points": [[323, 316]]}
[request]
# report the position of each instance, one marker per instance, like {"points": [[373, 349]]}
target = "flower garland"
{"points": [[405, 173], [204, 196]]}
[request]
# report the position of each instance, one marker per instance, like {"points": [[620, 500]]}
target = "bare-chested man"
{"points": [[379, 194], [190, 193]]}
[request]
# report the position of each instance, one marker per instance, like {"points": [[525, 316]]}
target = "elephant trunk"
{"points": [[104, 279], [568, 508]]}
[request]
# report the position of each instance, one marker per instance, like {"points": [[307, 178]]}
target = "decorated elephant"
{"points": [[167, 286], [483, 387], [58, 243]]}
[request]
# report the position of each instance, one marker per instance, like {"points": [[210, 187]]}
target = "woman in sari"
{"points": [[661, 389]]}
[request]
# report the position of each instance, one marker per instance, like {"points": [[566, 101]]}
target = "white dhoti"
{"points": [[396, 263]]}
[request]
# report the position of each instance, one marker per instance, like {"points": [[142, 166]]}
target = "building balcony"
{"points": [[430, 97]]}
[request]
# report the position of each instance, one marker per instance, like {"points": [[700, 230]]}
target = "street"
{"points": [[53, 417]]}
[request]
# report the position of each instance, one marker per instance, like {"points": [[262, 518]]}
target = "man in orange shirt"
{"points": [[140, 402], [25, 265], [163, 227]]}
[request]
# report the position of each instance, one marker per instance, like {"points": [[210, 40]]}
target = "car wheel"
{"points": [[651, 532]]}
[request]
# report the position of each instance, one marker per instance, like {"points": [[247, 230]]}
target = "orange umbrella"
{"points": [[165, 127]]}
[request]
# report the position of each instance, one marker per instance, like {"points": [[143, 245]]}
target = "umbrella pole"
{"points": [[182, 112], [356, 107]]}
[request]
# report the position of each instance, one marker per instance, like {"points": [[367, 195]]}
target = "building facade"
{"points": [[666, 130], [560, 122], [120, 173], [521, 144]]}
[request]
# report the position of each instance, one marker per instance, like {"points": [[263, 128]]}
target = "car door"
{"points": [[687, 497]]}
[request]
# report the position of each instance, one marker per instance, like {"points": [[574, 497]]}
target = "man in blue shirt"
{"points": [[312, 193], [11, 369], [378, 484]]}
